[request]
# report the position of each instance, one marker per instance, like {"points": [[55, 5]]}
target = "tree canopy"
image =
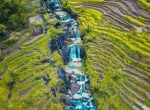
{"points": [[13, 14]]}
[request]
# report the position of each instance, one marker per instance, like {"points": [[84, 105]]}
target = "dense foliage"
{"points": [[13, 14]]}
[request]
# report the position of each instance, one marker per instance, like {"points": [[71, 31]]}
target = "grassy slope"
{"points": [[109, 53], [116, 62], [28, 65], [135, 21], [144, 4], [76, 2]]}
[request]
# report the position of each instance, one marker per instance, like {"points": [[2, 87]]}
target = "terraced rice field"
{"points": [[118, 53], [117, 64], [125, 13], [28, 76]]}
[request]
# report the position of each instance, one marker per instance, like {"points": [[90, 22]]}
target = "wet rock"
{"points": [[62, 75], [73, 14], [57, 25], [148, 27], [38, 78], [74, 87], [83, 53], [53, 45], [45, 60], [67, 101], [53, 90], [46, 80], [59, 44], [87, 86]]}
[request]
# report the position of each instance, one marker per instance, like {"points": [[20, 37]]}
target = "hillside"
{"points": [[118, 55], [115, 35]]}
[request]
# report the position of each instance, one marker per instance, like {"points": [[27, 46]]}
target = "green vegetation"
{"points": [[117, 63], [13, 13], [2, 28], [77, 2], [22, 85], [9, 42], [22, 32], [46, 16], [133, 20], [145, 4], [22, 75]]}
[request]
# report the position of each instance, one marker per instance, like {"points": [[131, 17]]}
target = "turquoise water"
{"points": [[79, 95], [74, 51]]}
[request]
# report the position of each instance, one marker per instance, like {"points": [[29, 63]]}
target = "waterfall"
{"points": [[74, 51], [79, 96]]}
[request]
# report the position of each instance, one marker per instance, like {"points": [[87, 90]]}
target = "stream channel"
{"points": [[78, 93]]}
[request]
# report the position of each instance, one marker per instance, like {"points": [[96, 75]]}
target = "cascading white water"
{"points": [[79, 95]]}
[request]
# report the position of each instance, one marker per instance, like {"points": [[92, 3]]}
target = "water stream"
{"points": [[79, 96]]}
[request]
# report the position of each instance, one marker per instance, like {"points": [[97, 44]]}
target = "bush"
{"points": [[2, 28], [9, 42]]}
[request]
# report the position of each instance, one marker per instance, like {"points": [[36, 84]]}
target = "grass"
{"points": [[144, 4], [135, 21], [131, 45], [112, 50], [46, 16], [23, 70], [32, 56], [77, 2]]}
